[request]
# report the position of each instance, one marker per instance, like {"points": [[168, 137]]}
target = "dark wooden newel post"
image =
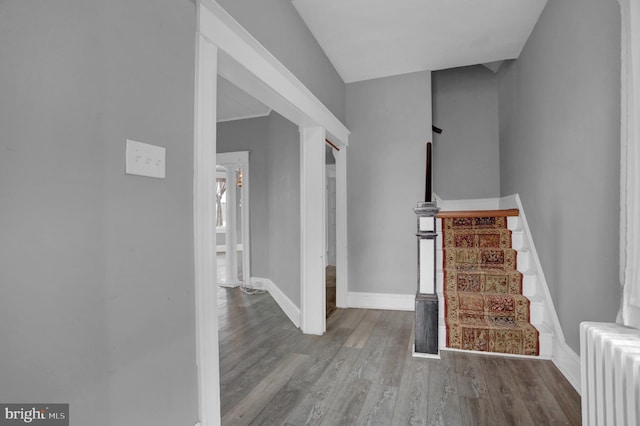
{"points": [[426, 321]]}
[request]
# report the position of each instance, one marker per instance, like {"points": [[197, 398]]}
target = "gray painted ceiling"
{"points": [[235, 104], [367, 39]]}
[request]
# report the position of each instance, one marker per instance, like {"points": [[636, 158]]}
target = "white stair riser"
{"points": [[546, 344], [513, 222], [523, 260], [528, 285], [517, 240], [536, 312]]}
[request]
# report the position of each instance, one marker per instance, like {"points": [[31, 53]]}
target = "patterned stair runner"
{"points": [[484, 306]]}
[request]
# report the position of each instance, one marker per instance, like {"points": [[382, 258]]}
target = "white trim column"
{"points": [[312, 224], [629, 313], [204, 206], [246, 224], [342, 259], [230, 236]]}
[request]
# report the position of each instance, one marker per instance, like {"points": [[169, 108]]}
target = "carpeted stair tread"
{"points": [[459, 223], [488, 281], [484, 306], [489, 258], [478, 238], [517, 338], [462, 306]]}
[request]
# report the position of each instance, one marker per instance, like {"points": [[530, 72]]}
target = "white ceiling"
{"points": [[367, 39], [235, 104]]}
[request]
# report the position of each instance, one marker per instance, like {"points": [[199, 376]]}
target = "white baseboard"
{"points": [[568, 362], [392, 302], [289, 308]]}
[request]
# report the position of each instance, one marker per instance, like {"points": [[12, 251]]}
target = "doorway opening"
{"points": [[233, 239], [224, 48], [330, 230]]}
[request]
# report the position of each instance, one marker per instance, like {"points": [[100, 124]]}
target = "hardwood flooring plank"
{"points": [[379, 405], [320, 356], [395, 351], [278, 408], [241, 371], [338, 317], [244, 318], [232, 392], [370, 364], [352, 318], [236, 383], [362, 332], [230, 308], [498, 376], [562, 391], [505, 396], [245, 411], [348, 403], [511, 411], [370, 360], [235, 347], [536, 396], [477, 411], [315, 404], [471, 381], [443, 404], [272, 374], [237, 341], [411, 405]]}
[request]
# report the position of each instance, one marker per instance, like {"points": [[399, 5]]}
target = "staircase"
{"points": [[518, 248]]}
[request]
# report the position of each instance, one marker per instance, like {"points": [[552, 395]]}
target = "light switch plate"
{"points": [[144, 159]]}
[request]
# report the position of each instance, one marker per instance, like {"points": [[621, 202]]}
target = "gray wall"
{"points": [[274, 163], [467, 153], [560, 152], [284, 205], [390, 123], [279, 28], [97, 266]]}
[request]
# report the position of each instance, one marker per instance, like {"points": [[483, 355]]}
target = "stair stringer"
{"points": [[543, 314]]}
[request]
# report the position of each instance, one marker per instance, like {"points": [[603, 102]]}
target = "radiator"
{"points": [[610, 374]]}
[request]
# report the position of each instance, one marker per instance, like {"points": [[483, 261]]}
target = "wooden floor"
{"points": [[362, 372]]}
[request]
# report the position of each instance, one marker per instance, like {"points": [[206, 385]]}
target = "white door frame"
{"points": [[342, 259], [223, 47]]}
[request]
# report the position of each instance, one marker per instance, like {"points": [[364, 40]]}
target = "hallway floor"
{"points": [[362, 372]]}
